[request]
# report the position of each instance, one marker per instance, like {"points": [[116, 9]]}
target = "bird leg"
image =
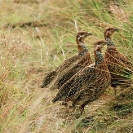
{"points": [[64, 103], [80, 108]]}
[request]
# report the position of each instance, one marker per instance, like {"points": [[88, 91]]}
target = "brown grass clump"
{"points": [[28, 51]]}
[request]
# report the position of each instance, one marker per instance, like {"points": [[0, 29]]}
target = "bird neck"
{"points": [[82, 48], [98, 57], [100, 63], [110, 44]]}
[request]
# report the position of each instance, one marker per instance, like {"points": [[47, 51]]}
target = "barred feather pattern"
{"points": [[99, 80], [88, 84], [52, 77], [119, 66], [83, 62]]}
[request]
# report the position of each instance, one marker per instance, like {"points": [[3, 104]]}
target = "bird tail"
{"points": [[58, 97], [49, 77], [55, 99]]}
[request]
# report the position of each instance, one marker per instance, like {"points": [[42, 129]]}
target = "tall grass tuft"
{"points": [[36, 37]]}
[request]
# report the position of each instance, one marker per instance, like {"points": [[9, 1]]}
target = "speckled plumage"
{"points": [[77, 66], [53, 78], [87, 84], [119, 66]]}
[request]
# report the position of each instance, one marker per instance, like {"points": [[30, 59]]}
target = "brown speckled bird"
{"points": [[89, 83], [73, 69], [53, 77], [119, 66], [85, 60]]}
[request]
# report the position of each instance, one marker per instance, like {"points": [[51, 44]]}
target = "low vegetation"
{"points": [[36, 37]]}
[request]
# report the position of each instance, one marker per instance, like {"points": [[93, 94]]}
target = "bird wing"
{"points": [[82, 96], [124, 65], [81, 80], [48, 78], [75, 67], [123, 59], [59, 70], [126, 61]]}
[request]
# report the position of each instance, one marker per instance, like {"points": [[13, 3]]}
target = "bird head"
{"points": [[109, 31], [81, 36], [99, 45]]}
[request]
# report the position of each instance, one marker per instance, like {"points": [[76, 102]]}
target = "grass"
{"points": [[28, 52]]}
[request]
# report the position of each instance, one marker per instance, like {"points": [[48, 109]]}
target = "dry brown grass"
{"points": [[28, 52]]}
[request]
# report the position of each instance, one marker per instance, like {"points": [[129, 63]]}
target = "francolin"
{"points": [[89, 83], [119, 66], [70, 66]]}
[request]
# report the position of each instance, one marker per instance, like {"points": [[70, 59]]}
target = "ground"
{"points": [[36, 36]]}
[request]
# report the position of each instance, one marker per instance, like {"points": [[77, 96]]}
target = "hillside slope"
{"points": [[36, 37]]}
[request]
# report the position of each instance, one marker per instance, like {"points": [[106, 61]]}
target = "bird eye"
{"points": [[99, 43]]}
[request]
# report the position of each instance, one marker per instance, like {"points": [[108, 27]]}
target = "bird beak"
{"points": [[116, 29], [88, 34], [105, 42]]}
